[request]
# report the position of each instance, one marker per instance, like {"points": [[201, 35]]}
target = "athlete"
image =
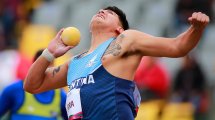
{"points": [[21, 105], [100, 80]]}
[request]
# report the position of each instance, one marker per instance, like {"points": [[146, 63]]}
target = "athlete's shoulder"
{"points": [[14, 87], [132, 34], [128, 36], [125, 41], [13, 92]]}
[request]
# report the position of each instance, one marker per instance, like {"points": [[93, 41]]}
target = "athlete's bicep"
{"points": [[148, 45], [56, 77]]}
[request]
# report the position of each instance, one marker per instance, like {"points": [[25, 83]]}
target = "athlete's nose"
{"points": [[101, 11]]}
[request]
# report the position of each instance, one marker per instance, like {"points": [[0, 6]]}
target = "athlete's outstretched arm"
{"points": [[149, 45], [41, 78]]}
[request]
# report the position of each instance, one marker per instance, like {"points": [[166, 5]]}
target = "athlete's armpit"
{"points": [[115, 47]]}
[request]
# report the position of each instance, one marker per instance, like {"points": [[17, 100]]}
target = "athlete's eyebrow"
{"points": [[111, 12]]}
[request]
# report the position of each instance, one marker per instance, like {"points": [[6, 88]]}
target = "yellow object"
{"points": [[71, 36], [61, 60], [149, 110], [34, 38], [178, 111], [32, 107]]}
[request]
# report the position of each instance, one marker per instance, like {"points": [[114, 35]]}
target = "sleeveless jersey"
{"points": [[103, 96]]}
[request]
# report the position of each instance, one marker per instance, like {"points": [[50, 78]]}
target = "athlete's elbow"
{"points": [[28, 88], [180, 53]]}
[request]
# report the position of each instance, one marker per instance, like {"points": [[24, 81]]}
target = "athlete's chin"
{"points": [[97, 24]]}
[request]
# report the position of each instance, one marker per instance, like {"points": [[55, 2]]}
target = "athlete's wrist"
{"points": [[48, 55]]}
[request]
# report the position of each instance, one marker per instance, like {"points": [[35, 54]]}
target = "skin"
{"points": [[125, 52]]}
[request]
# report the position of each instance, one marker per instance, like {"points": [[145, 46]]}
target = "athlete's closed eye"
{"points": [[112, 13]]}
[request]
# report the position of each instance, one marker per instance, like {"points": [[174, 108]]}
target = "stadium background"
{"points": [[28, 25]]}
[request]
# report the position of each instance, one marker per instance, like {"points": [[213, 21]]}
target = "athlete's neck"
{"points": [[99, 37]]}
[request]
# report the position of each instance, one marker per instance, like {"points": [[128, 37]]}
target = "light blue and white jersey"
{"points": [[103, 96]]}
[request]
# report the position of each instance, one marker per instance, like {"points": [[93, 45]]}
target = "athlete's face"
{"points": [[105, 19]]}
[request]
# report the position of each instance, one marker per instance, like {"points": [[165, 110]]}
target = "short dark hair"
{"points": [[121, 14]]}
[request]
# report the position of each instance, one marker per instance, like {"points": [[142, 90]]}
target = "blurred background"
{"points": [[185, 86]]}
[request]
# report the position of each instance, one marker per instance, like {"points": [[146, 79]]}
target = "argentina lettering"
{"points": [[81, 81]]}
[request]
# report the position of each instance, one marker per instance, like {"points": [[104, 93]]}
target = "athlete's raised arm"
{"points": [[41, 78], [149, 45]]}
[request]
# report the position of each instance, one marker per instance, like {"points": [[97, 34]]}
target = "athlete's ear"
{"points": [[119, 30]]}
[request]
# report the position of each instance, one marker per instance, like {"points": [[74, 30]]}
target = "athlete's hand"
{"points": [[199, 20], [57, 47]]}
